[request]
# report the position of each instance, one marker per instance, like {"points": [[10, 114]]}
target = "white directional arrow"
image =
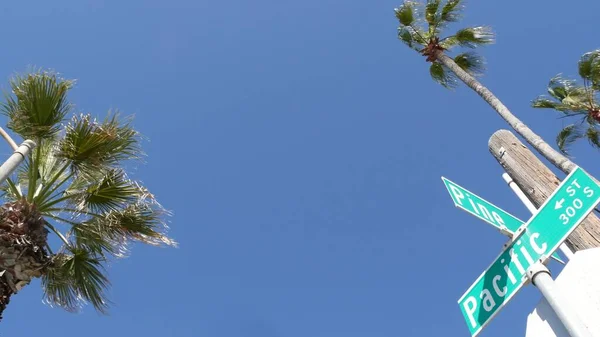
{"points": [[559, 203]]}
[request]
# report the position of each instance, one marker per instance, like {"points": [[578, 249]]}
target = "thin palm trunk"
{"points": [[553, 156]]}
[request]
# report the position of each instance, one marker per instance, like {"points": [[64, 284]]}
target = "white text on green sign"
{"points": [[577, 195], [485, 210]]}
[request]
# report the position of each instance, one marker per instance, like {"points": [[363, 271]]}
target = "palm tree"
{"points": [[74, 186], [428, 42], [420, 29], [576, 101]]}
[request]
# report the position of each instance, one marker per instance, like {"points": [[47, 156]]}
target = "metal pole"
{"points": [[15, 159], [540, 277], [531, 207]]}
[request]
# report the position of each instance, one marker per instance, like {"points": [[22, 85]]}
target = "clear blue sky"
{"points": [[300, 147]]}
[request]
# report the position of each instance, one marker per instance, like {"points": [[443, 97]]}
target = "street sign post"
{"points": [[485, 210], [562, 212]]}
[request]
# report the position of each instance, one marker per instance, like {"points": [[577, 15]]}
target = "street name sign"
{"points": [[485, 210], [482, 209], [562, 212]]}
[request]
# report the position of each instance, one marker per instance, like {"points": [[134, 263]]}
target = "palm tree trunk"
{"points": [[553, 156], [22, 253], [21, 260]]}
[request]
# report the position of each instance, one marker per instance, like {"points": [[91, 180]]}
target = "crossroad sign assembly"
{"points": [[562, 212], [485, 210]]}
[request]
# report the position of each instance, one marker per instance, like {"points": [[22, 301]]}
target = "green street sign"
{"points": [[485, 210], [570, 203]]}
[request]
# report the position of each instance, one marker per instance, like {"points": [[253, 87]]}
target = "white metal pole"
{"points": [[531, 207], [540, 277], [15, 159]]}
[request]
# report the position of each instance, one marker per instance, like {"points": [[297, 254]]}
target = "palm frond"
{"points": [[449, 42], [431, 14], [21, 173], [100, 239], [81, 183], [48, 164], [567, 92], [559, 87], [67, 196], [593, 136], [10, 191], [442, 75], [47, 168], [91, 146], [74, 278], [471, 63], [409, 37], [451, 11], [544, 103], [38, 104], [472, 37], [406, 13], [143, 222], [110, 233], [567, 136], [595, 73], [109, 193], [589, 66]]}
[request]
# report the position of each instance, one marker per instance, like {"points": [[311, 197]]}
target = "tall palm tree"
{"points": [[420, 29], [73, 186], [577, 101]]}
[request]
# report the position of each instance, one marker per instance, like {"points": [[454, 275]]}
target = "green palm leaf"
{"points": [[559, 87], [585, 65], [37, 105], [442, 75], [10, 191], [431, 13], [75, 278], [593, 136], [567, 136], [544, 103], [406, 13], [141, 222], [567, 92], [91, 146], [451, 11], [110, 192], [473, 37], [47, 167], [589, 66], [95, 237], [409, 37], [471, 63]]}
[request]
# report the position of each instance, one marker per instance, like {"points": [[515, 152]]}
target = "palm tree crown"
{"points": [[73, 185], [577, 101], [420, 29]]}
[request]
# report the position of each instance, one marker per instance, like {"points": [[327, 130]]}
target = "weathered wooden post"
{"points": [[538, 182]]}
